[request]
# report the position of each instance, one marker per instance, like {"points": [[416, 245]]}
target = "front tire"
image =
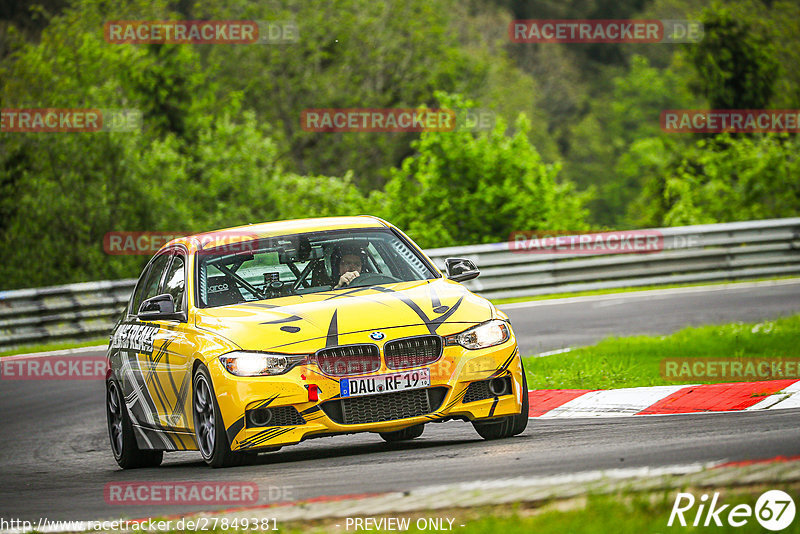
{"points": [[120, 431], [510, 425], [405, 434], [209, 430]]}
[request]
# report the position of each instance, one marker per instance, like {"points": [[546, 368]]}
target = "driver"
{"points": [[347, 265]]}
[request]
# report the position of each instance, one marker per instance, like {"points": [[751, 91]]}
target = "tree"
{"points": [[463, 188], [736, 64]]}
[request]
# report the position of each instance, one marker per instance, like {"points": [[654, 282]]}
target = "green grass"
{"points": [[618, 362], [28, 349], [620, 513], [630, 290]]}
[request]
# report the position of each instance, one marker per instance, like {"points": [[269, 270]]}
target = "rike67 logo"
{"points": [[774, 510]]}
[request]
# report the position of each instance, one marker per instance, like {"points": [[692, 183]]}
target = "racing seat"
{"points": [[221, 291]]}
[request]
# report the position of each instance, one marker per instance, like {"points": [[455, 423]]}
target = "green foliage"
{"points": [[221, 142], [464, 188], [737, 66], [628, 113], [725, 179]]}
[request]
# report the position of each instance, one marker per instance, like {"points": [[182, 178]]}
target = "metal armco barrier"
{"points": [[713, 252]]}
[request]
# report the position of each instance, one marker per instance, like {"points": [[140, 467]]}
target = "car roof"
{"points": [[249, 232]]}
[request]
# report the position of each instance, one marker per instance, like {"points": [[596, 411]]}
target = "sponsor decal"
{"points": [[136, 337], [605, 31], [200, 32], [730, 120]]}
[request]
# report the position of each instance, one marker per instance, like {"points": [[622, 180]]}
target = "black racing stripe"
{"points": [[234, 429], [456, 399], [181, 400], [313, 409], [435, 302], [494, 406], [442, 318], [291, 319], [153, 374], [264, 436], [332, 339], [502, 369], [267, 402], [148, 402]]}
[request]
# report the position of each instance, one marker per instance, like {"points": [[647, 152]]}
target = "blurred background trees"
{"points": [[577, 143]]}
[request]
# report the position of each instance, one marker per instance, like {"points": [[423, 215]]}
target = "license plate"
{"points": [[375, 385]]}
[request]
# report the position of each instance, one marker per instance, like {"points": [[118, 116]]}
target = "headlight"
{"points": [[241, 363], [482, 336]]}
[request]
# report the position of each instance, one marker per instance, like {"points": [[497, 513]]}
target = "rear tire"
{"points": [[120, 431], [405, 434], [510, 425], [209, 430]]}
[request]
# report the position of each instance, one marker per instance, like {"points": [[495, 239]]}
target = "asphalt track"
{"points": [[55, 459]]}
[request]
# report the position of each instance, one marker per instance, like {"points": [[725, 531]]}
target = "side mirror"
{"points": [[460, 269], [160, 307]]}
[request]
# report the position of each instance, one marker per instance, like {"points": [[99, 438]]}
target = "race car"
{"points": [[244, 340]]}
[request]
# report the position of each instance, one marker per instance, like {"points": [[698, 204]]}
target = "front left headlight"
{"points": [[482, 336], [243, 363]]}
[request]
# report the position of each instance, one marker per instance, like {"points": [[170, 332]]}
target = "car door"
{"points": [[154, 356], [174, 354]]}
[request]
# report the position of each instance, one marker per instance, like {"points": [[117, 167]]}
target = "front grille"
{"points": [[477, 391], [280, 416], [349, 360], [385, 407], [412, 352]]}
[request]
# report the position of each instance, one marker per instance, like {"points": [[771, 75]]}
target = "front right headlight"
{"points": [[482, 336], [245, 363]]}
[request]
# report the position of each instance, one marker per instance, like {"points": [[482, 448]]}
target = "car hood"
{"points": [[305, 323]]}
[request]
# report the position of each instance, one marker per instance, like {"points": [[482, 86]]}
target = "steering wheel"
{"points": [[371, 279]]}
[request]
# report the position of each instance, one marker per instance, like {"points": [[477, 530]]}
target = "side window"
{"points": [[136, 301], [153, 279], [175, 282]]}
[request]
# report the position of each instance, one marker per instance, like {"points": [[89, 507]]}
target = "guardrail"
{"points": [[703, 253]]}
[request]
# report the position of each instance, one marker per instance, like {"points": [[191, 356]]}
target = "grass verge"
{"points": [[44, 347], [618, 362], [621, 513]]}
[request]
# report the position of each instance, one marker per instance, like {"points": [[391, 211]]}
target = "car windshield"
{"points": [[305, 263]]}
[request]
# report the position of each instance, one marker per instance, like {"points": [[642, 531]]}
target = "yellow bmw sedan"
{"points": [[244, 340]]}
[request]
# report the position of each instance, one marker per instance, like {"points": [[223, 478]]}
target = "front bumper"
{"points": [[448, 398]]}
